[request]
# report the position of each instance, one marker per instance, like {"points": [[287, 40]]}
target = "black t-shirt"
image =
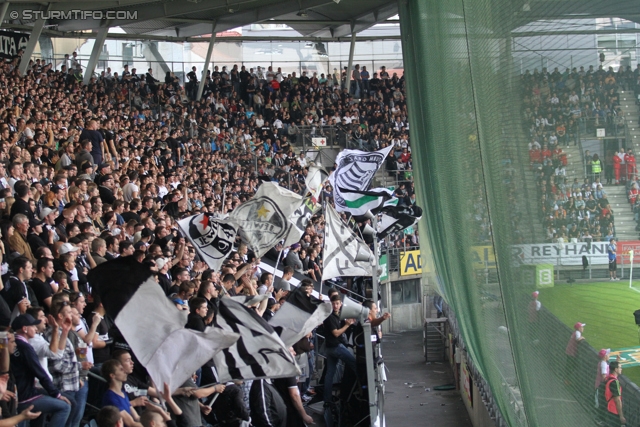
{"points": [[42, 290], [332, 323], [134, 385], [172, 209], [360, 340], [101, 355], [282, 385]]}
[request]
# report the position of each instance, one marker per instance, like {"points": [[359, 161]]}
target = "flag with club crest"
{"points": [[213, 238], [354, 171], [264, 220]]}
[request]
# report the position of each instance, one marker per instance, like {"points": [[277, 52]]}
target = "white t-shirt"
{"points": [[128, 191], [44, 353], [83, 327]]}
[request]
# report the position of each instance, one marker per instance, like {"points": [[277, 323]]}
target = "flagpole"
{"points": [[275, 268]]}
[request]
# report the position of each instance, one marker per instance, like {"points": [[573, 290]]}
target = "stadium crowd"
{"points": [[556, 108], [92, 173]]}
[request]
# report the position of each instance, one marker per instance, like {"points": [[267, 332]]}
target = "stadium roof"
{"points": [[189, 18]]}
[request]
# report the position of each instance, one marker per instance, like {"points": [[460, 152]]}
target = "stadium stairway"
{"points": [[624, 223], [631, 113], [575, 164]]}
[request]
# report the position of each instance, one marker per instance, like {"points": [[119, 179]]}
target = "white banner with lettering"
{"points": [[561, 253]]}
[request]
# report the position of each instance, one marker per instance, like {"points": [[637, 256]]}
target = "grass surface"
{"points": [[607, 309]]}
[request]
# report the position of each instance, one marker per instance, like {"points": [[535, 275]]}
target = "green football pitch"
{"points": [[607, 309]]}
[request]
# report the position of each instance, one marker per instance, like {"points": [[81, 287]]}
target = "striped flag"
{"points": [[357, 203], [299, 315], [259, 353], [354, 171], [346, 254]]}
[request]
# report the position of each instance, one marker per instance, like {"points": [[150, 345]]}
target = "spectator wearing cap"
{"points": [[107, 188], [603, 368], [34, 233], [66, 369], [534, 307], [86, 170], [103, 169], [572, 351], [25, 367], [48, 217], [164, 279], [18, 241]]}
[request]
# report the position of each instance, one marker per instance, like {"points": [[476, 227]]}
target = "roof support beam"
{"points": [[31, 45], [207, 60], [95, 54], [352, 49]]}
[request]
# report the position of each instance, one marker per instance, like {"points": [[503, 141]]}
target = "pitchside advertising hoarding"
{"points": [[556, 254]]}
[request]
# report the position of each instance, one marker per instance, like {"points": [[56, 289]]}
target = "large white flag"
{"points": [[346, 254], [152, 325], [264, 220], [354, 171], [315, 180], [213, 238], [259, 353], [299, 316]]}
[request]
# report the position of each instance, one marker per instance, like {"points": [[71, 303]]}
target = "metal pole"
{"points": [[95, 53], [31, 45], [374, 275], [352, 49], [207, 60], [371, 386]]}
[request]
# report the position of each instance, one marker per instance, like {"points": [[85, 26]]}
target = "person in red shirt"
{"points": [[630, 160], [405, 157], [546, 153], [616, 167], [633, 194], [535, 156]]}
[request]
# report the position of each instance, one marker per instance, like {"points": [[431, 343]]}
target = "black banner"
{"points": [[11, 43]]}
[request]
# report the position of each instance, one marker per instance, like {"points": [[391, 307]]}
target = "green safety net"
{"points": [[467, 101]]}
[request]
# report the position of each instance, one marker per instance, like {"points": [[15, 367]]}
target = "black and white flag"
{"points": [[264, 220], [354, 171], [151, 324], [359, 202], [213, 238], [315, 180], [259, 353], [346, 254], [397, 218], [299, 316]]}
